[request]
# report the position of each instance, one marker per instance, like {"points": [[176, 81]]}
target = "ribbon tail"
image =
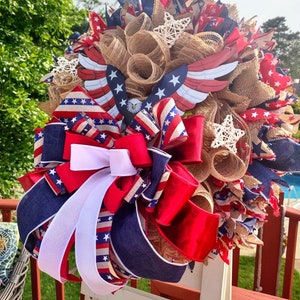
{"points": [[85, 247], [62, 227]]}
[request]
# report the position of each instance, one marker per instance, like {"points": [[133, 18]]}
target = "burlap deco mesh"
{"points": [[124, 14], [201, 170], [119, 32], [211, 186], [65, 80], [203, 199], [245, 89], [247, 84], [236, 190], [113, 50], [251, 182], [290, 119], [277, 132], [143, 71], [58, 92], [249, 240], [237, 102], [54, 100], [141, 22], [245, 60], [150, 44], [208, 108], [157, 14], [233, 12], [212, 39], [190, 48], [226, 166], [135, 91]]}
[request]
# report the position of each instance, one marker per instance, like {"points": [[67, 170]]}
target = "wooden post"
{"points": [[269, 255], [235, 266], [35, 280], [293, 215], [60, 290]]}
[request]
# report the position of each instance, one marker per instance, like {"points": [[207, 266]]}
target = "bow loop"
{"points": [[85, 157]]}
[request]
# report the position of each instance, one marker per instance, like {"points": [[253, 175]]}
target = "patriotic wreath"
{"points": [[164, 145]]}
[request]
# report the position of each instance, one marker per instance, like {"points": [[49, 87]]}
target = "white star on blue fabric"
{"points": [[52, 171], [119, 88], [106, 237], [113, 74], [160, 93], [175, 80], [123, 102]]}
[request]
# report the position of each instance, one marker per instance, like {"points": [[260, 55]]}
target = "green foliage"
{"points": [[31, 33]]}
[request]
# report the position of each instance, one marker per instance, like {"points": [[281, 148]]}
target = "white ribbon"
{"points": [[80, 213], [85, 157]]}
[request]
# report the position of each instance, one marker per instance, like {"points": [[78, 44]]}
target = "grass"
{"points": [[246, 276], [72, 290]]}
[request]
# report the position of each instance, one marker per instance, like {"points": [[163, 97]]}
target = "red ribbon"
{"points": [[190, 150], [179, 188]]}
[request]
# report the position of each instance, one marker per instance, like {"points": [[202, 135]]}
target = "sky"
{"points": [[265, 10], [269, 9]]}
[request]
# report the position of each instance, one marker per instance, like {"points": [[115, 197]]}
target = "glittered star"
{"points": [[226, 134], [171, 30]]}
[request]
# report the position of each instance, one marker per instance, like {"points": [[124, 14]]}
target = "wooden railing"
{"points": [[7, 207], [267, 265], [294, 217], [269, 257]]}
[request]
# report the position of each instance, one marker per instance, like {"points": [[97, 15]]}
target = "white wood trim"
{"points": [[213, 280], [216, 280], [126, 293]]}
